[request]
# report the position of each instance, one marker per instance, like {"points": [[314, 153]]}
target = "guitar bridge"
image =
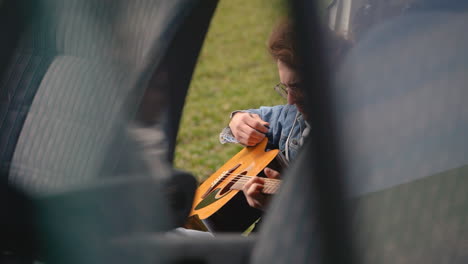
{"points": [[218, 180]]}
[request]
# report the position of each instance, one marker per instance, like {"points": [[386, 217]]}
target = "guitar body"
{"points": [[213, 194]]}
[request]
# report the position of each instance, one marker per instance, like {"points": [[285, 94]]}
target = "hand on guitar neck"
{"points": [[254, 189]]}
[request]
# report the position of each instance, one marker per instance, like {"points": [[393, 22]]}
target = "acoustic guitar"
{"points": [[211, 198]]}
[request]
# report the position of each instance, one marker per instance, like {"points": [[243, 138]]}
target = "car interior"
{"points": [[91, 98]]}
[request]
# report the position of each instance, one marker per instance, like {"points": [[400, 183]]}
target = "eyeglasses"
{"points": [[283, 90]]}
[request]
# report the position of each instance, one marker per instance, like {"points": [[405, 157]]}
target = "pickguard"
{"points": [[210, 198]]}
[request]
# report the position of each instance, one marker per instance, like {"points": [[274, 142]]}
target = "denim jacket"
{"points": [[285, 121]]}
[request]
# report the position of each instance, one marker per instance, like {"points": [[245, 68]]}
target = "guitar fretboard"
{"points": [[271, 186]]}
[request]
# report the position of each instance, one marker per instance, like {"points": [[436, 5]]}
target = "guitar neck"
{"points": [[271, 185]]}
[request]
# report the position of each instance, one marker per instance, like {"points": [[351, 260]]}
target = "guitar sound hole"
{"points": [[228, 186]]}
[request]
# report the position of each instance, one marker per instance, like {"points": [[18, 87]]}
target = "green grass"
{"points": [[234, 71]]}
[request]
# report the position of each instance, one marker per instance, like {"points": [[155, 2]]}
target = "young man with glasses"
{"points": [[284, 125]]}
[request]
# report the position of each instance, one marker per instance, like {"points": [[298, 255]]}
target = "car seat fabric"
{"points": [[90, 56], [405, 119], [404, 136], [68, 96]]}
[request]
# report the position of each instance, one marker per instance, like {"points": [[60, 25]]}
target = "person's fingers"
{"points": [[255, 198], [247, 186], [255, 122], [243, 128], [251, 181], [255, 138], [271, 173], [251, 137], [253, 192], [254, 189], [252, 120], [251, 123]]}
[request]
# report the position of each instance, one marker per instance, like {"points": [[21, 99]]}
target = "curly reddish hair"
{"points": [[282, 45]]}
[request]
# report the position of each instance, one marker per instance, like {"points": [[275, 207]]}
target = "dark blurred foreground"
{"points": [[90, 99]]}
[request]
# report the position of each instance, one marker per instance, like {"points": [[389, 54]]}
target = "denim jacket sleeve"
{"points": [[280, 118]]}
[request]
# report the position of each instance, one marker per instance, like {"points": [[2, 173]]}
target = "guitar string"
{"points": [[266, 189], [241, 179], [242, 175], [274, 185], [270, 185], [266, 182], [266, 185]]}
